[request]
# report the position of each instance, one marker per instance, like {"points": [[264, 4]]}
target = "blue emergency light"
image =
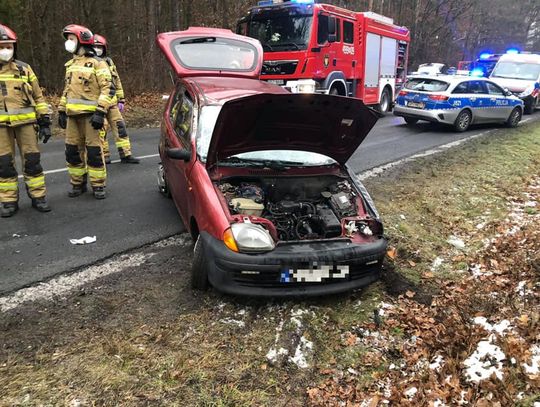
{"points": [[477, 72], [512, 51], [485, 55]]}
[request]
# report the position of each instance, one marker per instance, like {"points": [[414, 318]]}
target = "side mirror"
{"points": [[507, 92], [178, 154], [332, 27]]}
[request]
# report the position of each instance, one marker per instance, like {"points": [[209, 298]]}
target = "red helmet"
{"points": [[83, 34], [100, 40], [7, 34]]}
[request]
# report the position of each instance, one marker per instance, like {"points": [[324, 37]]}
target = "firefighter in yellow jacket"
{"points": [[88, 95], [114, 115], [22, 106]]}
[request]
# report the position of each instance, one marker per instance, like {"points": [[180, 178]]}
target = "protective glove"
{"points": [[44, 132], [121, 106], [62, 120], [98, 120]]}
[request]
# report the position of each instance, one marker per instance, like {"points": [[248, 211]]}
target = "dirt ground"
{"points": [[454, 320]]}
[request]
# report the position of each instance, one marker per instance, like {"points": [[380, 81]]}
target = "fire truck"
{"points": [[311, 47]]}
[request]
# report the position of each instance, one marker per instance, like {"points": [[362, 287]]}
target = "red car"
{"points": [[259, 175]]}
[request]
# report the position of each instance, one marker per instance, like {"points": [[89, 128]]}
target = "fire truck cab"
{"points": [[310, 47]]}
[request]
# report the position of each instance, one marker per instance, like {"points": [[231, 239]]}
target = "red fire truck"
{"points": [[310, 47]]}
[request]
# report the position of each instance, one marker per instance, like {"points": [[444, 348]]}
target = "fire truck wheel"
{"points": [[334, 91], [384, 105]]}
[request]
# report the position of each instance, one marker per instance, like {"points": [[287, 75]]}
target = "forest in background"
{"points": [[442, 30]]}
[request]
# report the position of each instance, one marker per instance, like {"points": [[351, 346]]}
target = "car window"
{"points": [[494, 89], [338, 29], [477, 87], [181, 116], [322, 30], [348, 32], [463, 87], [426, 85]]}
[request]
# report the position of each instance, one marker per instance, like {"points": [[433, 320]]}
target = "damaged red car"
{"points": [[259, 175]]}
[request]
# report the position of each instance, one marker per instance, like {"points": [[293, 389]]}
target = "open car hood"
{"points": [[200, 51], [328, 125]]}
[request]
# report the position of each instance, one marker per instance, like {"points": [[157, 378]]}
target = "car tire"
{"points": [[410, 120], [385, 104], [514, 118], [163, 186], [334, 91], [463, 121], [199, 267]]}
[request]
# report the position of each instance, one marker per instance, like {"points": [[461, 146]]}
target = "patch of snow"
{"points": [[485, 361], [438, 403], [181, 240], [498, 328], [231, 321], [303, 348], [402, 217], [481, 226], [437, 263], [410, 393], [273, 354], [437, 363], [352, 371], [456, 242], [530, 204], [534, 367]]}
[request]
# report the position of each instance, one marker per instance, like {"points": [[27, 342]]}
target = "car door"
{"points": [[500, 105], [479, 101], [179, 123]]}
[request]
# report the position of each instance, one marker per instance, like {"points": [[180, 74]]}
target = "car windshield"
{"points": [[426, 85], [207, 122], [281, 30], [214, 53], [516, 70]]}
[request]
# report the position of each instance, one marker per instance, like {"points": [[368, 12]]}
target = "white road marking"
{"points": [[64, 284], [112, 162]]}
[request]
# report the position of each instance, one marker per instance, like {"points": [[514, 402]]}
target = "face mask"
{"points": [[6, 54], [71, 46], [98, 51]]}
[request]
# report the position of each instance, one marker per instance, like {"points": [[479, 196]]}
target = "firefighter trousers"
{"points": [[26, 139], [84, 154], [119, 131]]}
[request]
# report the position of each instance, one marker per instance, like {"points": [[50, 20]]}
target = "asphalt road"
{"points": [[35, 246]]}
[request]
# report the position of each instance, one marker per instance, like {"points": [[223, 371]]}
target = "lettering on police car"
{"points": [[456, 103], [501, 102], [348, 50]]}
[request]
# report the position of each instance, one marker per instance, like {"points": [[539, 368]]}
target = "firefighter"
{"points": [[23, 108], [88, 94], [114, 114]]}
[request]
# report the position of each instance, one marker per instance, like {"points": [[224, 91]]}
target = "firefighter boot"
{"points": [[99, 193], [40, 204], [129, 160], [8, 209]]}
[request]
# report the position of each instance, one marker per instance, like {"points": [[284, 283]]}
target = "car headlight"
{"points": [[527, 91], [306, 86], [249, 238]]}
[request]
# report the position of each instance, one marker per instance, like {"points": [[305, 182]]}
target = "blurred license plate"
{"points": [[279, 82], [416, 105], [315, 273]]}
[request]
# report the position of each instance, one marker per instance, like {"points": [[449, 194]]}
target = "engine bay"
{"points": [[302, 208]]}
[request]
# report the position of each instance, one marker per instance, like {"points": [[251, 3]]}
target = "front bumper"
{"points": [[261, 274], [445, 116]]}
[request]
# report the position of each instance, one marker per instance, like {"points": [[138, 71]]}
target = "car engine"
{"points": [[297, 211]]}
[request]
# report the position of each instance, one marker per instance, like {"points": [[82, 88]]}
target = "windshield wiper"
{"points": [[288, 44]]}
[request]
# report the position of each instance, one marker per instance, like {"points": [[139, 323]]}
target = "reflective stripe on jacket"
{"points": [[88, 86], [21, 98]]}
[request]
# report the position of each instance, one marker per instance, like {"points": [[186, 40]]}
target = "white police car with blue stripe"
{"points": [[458, 101]]}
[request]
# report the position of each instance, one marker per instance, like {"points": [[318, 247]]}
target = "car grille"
{"points": [[279, 67], [271, 279]]}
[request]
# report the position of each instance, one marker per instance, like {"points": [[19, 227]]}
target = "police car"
{"points": [[457, 101]]}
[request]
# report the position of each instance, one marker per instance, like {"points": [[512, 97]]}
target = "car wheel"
{"points": [[463, 121], [334, 91], [199, 267], [163, 187], [384, 105], [514, 118], [410, 120]]}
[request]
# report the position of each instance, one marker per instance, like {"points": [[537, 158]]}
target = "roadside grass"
{"points": [[145, 338]]}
